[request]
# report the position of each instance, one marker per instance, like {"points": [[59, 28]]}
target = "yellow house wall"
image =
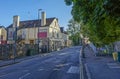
{"points": [[36, 32], [0, 31], [4, 33], [30, 33], [54, 27], [27, 36], [19, 32]]}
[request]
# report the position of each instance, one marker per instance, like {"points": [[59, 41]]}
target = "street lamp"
{"points": [[15, 41], [38, 28], [39, 13]]}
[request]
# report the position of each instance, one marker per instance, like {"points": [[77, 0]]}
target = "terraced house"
{"points": [[3, 35], [44, 32], [3, 41]]}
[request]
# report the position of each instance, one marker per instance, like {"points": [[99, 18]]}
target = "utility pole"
{"points": [[15, 38], [38, 29]]}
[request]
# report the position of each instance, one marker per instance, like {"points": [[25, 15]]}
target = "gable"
{"points": [[55, 24]]}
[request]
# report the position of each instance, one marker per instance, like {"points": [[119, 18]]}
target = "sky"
{"points": [[28, 10]]}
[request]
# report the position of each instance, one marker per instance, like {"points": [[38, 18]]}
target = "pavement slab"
{"points": [[101, 67]]}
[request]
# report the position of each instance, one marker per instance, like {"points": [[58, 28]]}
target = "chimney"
{"points": [[16, 20], [62, 29], [43, 18]]}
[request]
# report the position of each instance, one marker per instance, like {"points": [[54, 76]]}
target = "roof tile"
{"points": [[33, 23]]}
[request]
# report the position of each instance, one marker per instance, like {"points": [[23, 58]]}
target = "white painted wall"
{"points": [[54, 30]]}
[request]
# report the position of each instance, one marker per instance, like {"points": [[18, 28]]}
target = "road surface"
{"points": [[63, 64]]}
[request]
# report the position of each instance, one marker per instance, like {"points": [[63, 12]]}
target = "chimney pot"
{"points": [[16, 20], [43, 19]]}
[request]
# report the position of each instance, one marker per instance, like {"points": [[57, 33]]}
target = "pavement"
{"points": [[101, 67], [63, 64]]}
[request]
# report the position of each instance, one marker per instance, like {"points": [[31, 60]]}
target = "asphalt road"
{"points": [[63, 64]]}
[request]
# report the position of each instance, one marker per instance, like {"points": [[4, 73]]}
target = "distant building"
{"points": [[45, 32], [66, 42], [3, 35]]}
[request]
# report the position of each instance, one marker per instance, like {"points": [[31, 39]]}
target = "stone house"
{"points": [[65, 38], [44, 32]]}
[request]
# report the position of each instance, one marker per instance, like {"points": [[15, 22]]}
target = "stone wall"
{"points": [[9, 51]]}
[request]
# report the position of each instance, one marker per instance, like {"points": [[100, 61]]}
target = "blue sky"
{"points": [[28, 10]]}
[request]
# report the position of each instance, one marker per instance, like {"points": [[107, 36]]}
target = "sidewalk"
{"points": [[101, 67]]}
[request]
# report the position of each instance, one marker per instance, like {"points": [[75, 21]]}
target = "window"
{"points": [[57, 35], [53, 34], [31, 41], [55, 24], [1, 37]]}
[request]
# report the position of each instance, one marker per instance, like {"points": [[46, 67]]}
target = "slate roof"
{"points": [[33, 23], [62, 29], [2, 27]]}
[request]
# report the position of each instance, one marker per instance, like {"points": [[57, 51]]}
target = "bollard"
{"points": [[115, 56]]}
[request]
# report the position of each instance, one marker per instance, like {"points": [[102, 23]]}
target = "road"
{"points": [[63, 64]]}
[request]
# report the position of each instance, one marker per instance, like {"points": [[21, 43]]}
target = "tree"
{"points": [[74, 31], [100, 19], [112, 7]]}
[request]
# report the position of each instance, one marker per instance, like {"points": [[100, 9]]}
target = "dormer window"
{"points": [[52, 34], [55, 24]]}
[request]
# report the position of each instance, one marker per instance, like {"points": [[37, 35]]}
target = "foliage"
{"points": [[74, 31], [100, 19], [112, 7]]}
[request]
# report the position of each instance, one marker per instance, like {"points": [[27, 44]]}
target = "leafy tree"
{"points": [[100, 19], [74, 31], [112, 7]]}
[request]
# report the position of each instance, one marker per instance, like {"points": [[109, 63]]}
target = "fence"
{"points": [[8, 51]]}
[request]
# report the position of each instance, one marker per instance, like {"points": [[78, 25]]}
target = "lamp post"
{"points": [[15, 41], [38, 29]]}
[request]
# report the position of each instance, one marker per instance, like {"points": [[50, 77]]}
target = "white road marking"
{"points": [[3, 75], [56, 69], [24, 76], [61, 65], [113, 65], [40, 69], [62, 53], [73, 70]]}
